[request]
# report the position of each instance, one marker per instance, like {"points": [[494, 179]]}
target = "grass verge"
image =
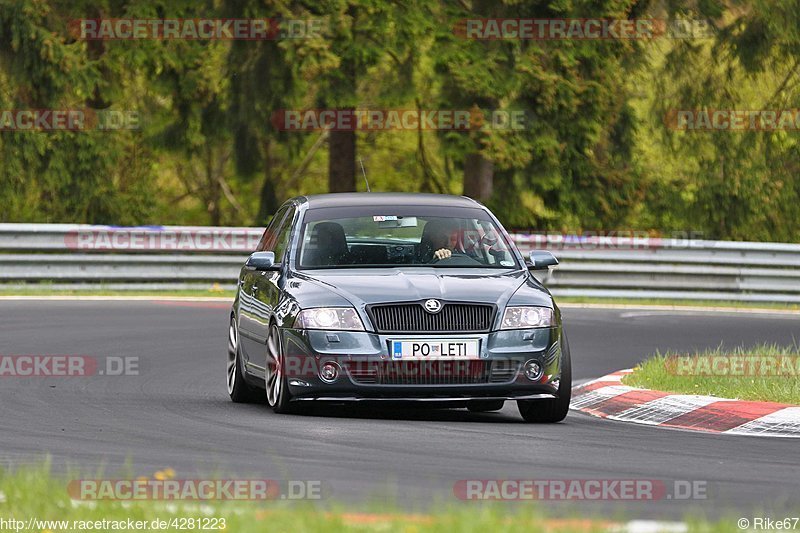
{"points": [[43, 503], [37, 501], [767, 372]]}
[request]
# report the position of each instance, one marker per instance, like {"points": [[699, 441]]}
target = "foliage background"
{"points": [[597, 154]]}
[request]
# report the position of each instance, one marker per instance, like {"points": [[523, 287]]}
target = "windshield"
{"points": [[391, 237]]}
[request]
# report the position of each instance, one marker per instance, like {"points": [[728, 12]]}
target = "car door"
{"points": [[251, 312], [268, 286]]}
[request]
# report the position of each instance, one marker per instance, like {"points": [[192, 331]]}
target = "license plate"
{"points": [[432, 350]]}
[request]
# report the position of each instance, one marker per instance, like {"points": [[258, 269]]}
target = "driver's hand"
{"points": [[442, 253]]}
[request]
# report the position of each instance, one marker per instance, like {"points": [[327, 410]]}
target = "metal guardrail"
{"points": [[63, 256]]}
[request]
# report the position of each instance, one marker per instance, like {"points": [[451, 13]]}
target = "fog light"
{"points": [[329, 372], [533, 370]]}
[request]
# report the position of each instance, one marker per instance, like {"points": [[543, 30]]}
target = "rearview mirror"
{"points": [[541, 260], [261, 261]]}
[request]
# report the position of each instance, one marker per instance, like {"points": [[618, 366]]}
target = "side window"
{"points": [[283, 235], [267, 240]]}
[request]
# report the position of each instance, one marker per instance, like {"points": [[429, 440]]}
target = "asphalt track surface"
{"points": [[176, 413]]}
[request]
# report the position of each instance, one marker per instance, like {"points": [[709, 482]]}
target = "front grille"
{"points": [[455, 318], [468, 372]]}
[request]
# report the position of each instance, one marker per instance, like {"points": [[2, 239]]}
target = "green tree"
{"points": [[98, 176]]}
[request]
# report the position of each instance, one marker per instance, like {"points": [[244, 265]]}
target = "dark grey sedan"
{"points": [[396, 297]]}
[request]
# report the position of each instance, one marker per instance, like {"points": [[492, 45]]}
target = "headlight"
{"points": [[339, 318], [527, 317]]}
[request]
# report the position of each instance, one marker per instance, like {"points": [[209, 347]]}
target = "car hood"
{"points": [[362, 287]]}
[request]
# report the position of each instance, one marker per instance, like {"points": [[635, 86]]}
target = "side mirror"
{"points": [[261, 261], [541, 260]]}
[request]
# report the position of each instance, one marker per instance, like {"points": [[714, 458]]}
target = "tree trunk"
{"points": [[268, 201], [342, 161], [342, 144], [478, 177], [214, 189]]}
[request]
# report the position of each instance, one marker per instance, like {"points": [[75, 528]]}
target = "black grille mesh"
{"points": [[465, 372], [455, 318]]}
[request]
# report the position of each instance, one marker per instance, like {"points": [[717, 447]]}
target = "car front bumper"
{"points": [[366, 370]]}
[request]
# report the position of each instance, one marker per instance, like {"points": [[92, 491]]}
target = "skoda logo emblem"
{"points": [[432, 306]]}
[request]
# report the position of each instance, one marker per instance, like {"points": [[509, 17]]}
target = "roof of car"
{"points": [[359, 199]]}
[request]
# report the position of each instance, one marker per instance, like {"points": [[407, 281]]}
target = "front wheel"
{"points": [[555, 409], [278, 396]]}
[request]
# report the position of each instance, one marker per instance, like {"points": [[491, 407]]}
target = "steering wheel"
{"points": [[435, 259], [457, 256]]}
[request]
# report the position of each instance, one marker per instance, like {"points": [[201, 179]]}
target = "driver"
{"points": [[438, 241]]}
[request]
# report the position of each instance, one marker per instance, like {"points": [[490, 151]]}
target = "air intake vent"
{"points": [[420, 372], [363, 372], [504, 370]]}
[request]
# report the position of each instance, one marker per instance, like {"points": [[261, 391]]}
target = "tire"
{"points": [[484, 406], [556, 409], [275, 382], [239, 390]]}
